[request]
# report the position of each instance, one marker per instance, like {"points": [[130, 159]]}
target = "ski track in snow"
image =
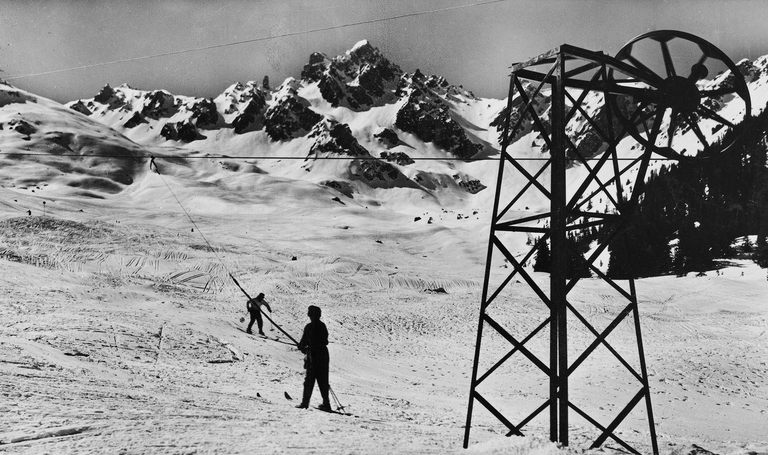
{"points": [[109, 353]]}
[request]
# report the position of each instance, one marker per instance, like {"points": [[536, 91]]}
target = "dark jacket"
{"points": [[314, 340], [253, 305]]}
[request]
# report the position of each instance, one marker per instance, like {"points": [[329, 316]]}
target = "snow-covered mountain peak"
{"points": [[237, 97], [359, 78], [288, 88], [359, 45], [362, 57]]}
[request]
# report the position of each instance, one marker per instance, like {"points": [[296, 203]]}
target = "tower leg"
{"points": [[558, 273], [643, 369], [488, 261]]}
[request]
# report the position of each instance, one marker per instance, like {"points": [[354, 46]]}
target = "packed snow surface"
{"points": [[122, 332]]}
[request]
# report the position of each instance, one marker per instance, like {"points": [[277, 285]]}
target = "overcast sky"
{"points": [[471, 46]]}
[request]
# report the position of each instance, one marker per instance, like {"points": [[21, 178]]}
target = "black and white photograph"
{"points": [[520, 227]]}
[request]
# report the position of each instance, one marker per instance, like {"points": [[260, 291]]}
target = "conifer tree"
{"points": [[747, 246], [543, 261], [619, 258], [577, 264], [760, 255]]}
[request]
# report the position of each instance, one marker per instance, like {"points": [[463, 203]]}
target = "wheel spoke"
{"points": [[670, 67], [656, 127], [672, 128], [653, 78], [710, 114], [695, 127], [717, 92]]}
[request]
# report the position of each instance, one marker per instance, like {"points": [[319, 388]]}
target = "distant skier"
{"points": [[254, 307], [314, 344]]}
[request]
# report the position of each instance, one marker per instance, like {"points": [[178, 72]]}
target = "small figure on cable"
{"points": [[314, 344], [254, 307]]}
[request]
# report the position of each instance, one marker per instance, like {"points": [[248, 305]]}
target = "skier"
{"points": [[314, 344], [254, 307]]}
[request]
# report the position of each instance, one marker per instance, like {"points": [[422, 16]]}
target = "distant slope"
{"points": [[31, 124]]}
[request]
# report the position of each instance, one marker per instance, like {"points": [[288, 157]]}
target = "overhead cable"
{"points": [[251, 40]]}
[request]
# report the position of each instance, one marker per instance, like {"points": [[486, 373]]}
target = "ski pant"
{"points": [[255, 316], [317, 370]]}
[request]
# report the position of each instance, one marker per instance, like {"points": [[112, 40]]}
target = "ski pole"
{"points": [[335, 398]]}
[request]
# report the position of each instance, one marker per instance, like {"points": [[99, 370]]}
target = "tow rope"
{"points": [[152, 165], [263, 312]]}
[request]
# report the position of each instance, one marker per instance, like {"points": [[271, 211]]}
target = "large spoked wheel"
{"points": [[669, 104]]}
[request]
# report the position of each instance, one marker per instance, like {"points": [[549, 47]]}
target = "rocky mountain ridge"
{"points": [[356, 104], [359, 106]]}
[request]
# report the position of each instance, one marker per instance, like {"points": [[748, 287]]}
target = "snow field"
{"points": [[119, 333]]}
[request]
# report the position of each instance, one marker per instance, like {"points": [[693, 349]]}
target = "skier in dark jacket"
{"points": [[254, 307], [314, 344]]}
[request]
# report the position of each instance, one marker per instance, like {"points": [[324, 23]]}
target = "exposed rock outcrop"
{"points": [[400, 158], [427, 116], [334, 138], [80, 107], [387, 137], [135, 120], [290, 115], [181, 131]]}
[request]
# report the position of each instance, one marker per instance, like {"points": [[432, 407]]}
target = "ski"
{"points": [[256, 335], [333, 411]]}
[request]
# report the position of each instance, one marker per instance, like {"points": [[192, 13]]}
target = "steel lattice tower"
{"points": [[555, 96]]}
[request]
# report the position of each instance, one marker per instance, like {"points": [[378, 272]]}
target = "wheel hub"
{"points": [[680, 94]]}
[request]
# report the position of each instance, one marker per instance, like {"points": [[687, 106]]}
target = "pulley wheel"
{"points": [[672, 107]]}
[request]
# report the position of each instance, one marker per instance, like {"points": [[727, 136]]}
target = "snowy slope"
{"points": [[123, 333], [122, 328], [30, 124]]}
